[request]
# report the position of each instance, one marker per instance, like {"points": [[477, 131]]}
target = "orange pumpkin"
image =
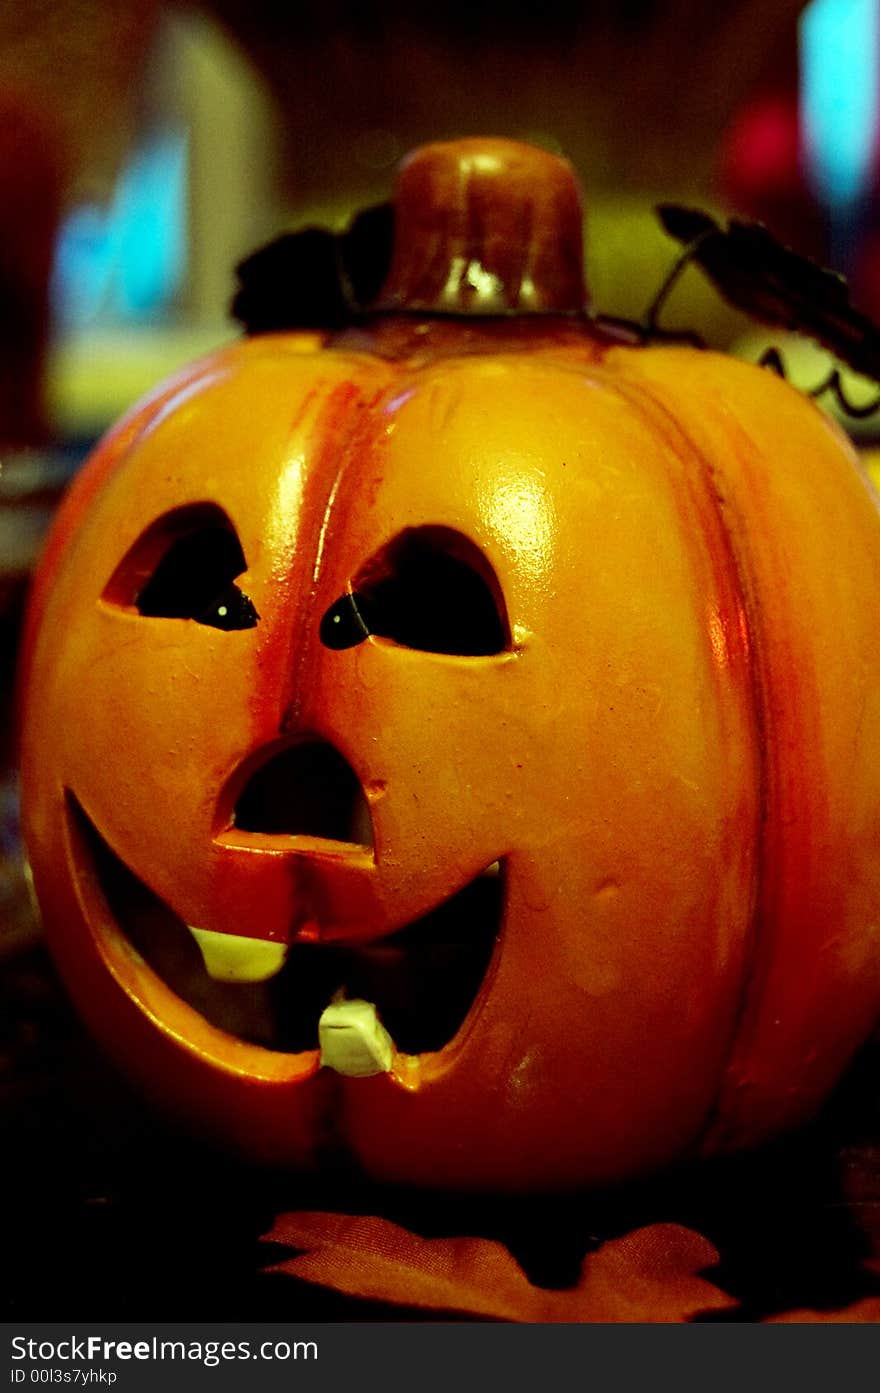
{"points": [[494, 700]]}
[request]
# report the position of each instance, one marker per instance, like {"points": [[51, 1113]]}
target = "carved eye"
{"points": [[431, 589], [184, 567]]}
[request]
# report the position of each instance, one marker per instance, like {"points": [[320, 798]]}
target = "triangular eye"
{"points": [[431, 589], [184, 567]]}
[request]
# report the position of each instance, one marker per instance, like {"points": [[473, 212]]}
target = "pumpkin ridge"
{"points": [[731, 531], [331, 429], [817, 662], [723, 1134]]}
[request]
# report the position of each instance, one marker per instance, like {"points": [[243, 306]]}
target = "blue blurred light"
{"points": [[149, 216], [81, 275], [839, 96], [125, 264]]}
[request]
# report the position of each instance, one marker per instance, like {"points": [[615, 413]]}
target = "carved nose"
{"points": [[307, 789]]}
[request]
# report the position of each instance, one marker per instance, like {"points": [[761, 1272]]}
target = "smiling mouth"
{"points": [[422, 980]]}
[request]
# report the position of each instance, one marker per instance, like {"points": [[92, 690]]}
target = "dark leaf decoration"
{"points": [[758, 274], [315, 278], [365, 249]]}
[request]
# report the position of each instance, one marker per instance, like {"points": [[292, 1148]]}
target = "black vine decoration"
{"points": [[758, 274], [772, 358]]}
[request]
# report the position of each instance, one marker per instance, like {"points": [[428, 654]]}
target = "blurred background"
{"points": [[145, 148]]}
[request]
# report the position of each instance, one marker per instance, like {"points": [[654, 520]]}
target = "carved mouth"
{"points": [[423, 980]]}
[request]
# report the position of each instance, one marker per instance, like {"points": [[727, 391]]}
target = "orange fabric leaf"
{"points": [[864, 1312], [648, 1277]]}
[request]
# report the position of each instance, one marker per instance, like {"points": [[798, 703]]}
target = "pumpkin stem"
{"points": [[486, 226]]}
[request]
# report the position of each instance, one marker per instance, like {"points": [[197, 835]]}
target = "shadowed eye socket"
{"points": [[184, 567], [431, 589]]}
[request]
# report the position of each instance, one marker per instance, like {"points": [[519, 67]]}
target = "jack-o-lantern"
{"points": [[452, 743]]}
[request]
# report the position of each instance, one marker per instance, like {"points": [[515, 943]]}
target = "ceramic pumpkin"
{"points": [[452, 745]]}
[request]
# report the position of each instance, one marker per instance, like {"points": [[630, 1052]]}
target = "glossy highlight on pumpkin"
{"points": [[601, 712]]}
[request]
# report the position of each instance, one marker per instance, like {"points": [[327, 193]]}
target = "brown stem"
{"points": [[486, 227]]}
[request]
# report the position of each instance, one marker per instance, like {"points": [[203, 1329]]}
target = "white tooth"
{"points": [[232, 958], [353, 1040], [494, 869]]}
